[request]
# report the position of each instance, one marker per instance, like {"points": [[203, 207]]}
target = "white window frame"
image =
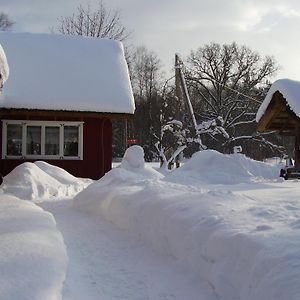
{"points": [[43, 125]]}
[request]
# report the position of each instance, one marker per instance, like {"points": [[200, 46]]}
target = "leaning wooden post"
{"points": [[178, 95], [178, 91]]}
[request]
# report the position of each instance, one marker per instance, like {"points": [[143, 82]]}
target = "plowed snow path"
{"points": [[106, 263]]}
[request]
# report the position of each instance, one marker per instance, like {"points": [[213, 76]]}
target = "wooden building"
{"points": [[280, 111], [59, 100]]}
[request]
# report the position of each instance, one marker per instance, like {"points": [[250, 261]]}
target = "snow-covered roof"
{"points": [[58, 72], [290, 90], [4, 69]]}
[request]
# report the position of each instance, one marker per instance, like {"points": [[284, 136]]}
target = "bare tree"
{"points": [[99, 22], [145, 70], [146, 76], [5, 22], [229, 82]]}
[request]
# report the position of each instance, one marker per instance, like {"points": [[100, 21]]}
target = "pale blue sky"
{"points": [[169, 26]]}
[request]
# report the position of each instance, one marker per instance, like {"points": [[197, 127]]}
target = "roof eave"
{"points": [[63, 113]]}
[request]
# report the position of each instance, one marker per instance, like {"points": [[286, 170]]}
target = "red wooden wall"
{"points": [[97, 147]]}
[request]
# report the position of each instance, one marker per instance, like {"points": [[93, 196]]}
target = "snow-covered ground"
{"points": [[110, 264], [221, 227]]}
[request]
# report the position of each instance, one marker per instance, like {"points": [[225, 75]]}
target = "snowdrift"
{"points": [[235, 242], [33, 257], [40, 180], [210, 166]]}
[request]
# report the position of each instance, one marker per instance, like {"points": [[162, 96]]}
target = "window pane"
{"points": [[33, 146], [14, 139], [52, 140], [71, 137]]}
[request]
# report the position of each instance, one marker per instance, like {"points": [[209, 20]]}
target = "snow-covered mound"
{"points": [[39, 180], [133, 161], [33, 259], [131, 172], [213, 167], [60, 174]]}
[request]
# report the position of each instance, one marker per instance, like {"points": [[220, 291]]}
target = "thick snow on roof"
{"points": [[59, 72], [4, 69], [290, 89]]}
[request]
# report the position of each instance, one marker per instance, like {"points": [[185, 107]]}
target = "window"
{"points": [[34, 140], [71, 134], [52, 140], [14, 140], [38, 139]]}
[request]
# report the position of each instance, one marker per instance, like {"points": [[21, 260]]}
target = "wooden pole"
{"points": [[178, 91], [181, 90], [178, 94], [297, 153]]}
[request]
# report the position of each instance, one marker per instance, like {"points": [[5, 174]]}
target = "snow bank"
{"points": [[241, 244], [210, 166], [33, 257], [290, 89], [40, 180]]}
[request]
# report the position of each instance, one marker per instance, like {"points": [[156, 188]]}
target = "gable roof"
{"points": [[280, 110], [290, 90], [72, 73]]}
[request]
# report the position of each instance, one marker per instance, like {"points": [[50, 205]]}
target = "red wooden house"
{"points": [[59, 100]]}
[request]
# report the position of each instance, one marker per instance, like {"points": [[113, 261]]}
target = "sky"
{"points": [[270, 27]]}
